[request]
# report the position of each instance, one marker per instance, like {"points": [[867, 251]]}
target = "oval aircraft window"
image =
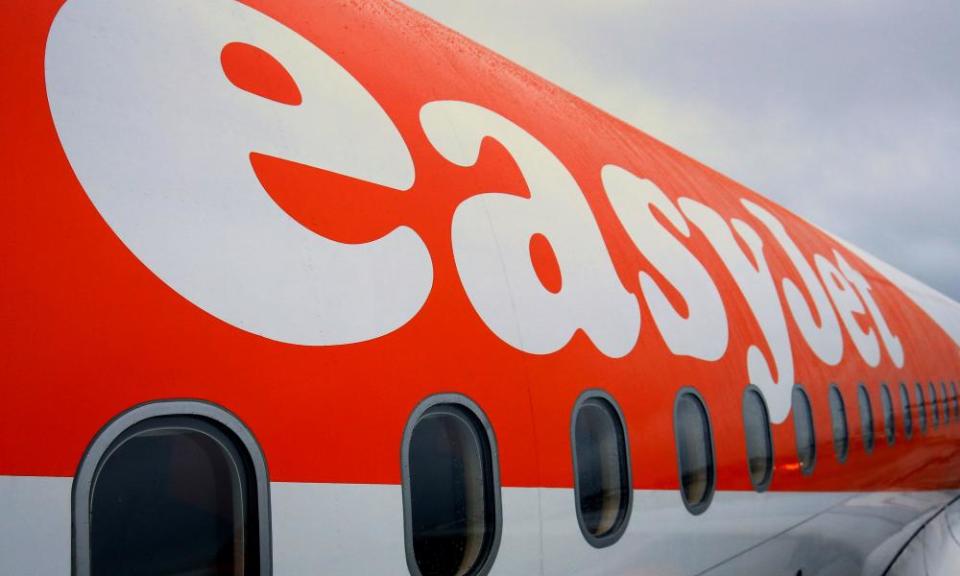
{"points": [[756, 428], [171, 497], [172, 487], [946, 402], [451, 490], [956, 403], [838, 417], [921, 408], [907, 415], [934, 405], [803, 429], [889, 423], [601, 469], [866, 418], [694, 451]]}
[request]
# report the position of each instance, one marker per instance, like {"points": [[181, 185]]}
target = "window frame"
{"points": [[701, 506], [934, 405], [921, 402], [623, 515], [865, 426], [484, 565], [889, 414], [835, 390], [126, 423], [906, 407], [954, 401], [946, 402], [805, 470], [768, 477]]}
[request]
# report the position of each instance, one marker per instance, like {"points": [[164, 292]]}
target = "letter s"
{"points": [[491, 237], [160, 140], [703, 333]]}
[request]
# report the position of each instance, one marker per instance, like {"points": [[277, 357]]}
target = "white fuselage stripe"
{"points": [[358, 528]]}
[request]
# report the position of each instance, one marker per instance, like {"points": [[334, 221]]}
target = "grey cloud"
{"points": [[845, 112]]}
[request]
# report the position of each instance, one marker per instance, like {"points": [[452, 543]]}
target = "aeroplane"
{"points": [[327, 288]]}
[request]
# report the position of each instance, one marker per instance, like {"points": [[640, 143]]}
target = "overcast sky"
{"points": [[845, 111]]}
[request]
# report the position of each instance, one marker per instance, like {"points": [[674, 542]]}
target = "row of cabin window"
{"points": [[695, 441], [695, 446], [602, 469], [451, 488], [940, 408], [451, 491], [170, 493], [451, 494], [451, 480]]}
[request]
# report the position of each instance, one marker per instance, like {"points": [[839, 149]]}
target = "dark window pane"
{"points": [[934, 405], [452, 512], [169, 499], [838, 417], [695, 451], [921, 408], [945, 402], [602, 476], [803, 429], [756, 426], [907, 415], [889, 423], [866, 418], [956, 403]]}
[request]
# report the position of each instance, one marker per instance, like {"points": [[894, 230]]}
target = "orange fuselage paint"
{"points": [[89, 331]]}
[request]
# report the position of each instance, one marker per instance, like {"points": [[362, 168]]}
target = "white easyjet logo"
{"points": [[161, 142]]}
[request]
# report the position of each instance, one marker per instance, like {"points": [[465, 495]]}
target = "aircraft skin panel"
{"points": [[316, 216]]}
